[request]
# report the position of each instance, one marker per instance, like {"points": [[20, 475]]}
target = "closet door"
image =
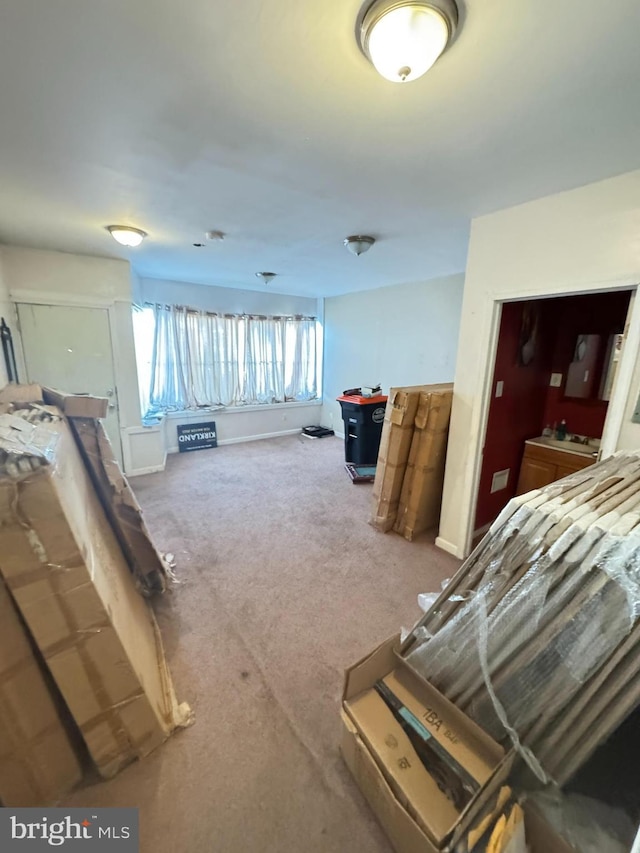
{"points": [[70, 349]]}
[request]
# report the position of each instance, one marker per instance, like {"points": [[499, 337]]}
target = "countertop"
{"points": [[567, 446]]}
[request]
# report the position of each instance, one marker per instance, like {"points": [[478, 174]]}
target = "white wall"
{"points": [[8, 312], [401, 335], [60, 278], [224, 300], [236, 425], [580, 241]]}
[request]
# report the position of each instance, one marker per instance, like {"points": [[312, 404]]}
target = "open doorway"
{"points": [[553, 373]]}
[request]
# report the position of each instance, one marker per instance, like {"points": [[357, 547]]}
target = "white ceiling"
{"points": [[262, 119]]}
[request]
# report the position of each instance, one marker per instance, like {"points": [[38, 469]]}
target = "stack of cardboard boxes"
{"points": [[407, 491], [527, 660], [82, 670]]}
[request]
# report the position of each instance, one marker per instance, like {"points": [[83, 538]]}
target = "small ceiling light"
{"points": [[403, 39], [267, 277], [359, 245], [215, 236], [125, 235]]}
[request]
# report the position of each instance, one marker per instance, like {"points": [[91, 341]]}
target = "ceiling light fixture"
{"points": [[403, 39], [215, 236], [125, 235], [359, 245], [267, 277]]}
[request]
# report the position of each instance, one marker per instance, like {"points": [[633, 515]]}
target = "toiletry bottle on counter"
{"points": [[561, 432]]}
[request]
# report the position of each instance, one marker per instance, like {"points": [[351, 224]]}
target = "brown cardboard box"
{"points": [[13, 393], [395, 444], [541, 836], [421, 495], [530, 825], [120, 504], [72, 585], [77, 405], [416, 815], [38, 761]]}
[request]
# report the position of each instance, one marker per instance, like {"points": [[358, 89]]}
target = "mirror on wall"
{"points": [[611, 362], [592, 370]]}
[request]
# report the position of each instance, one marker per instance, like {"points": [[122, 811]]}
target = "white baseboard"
{"points": [[152, 469], [449, 547], [242, 438]]}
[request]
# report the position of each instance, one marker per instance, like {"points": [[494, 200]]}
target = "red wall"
{"points": [[528, 403], [602, 314], [518, 414]]}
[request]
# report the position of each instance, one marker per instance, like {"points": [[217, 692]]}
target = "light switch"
{"points": [[556, 380], [499, 388]]}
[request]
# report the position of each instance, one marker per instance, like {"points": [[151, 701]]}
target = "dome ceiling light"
{"points": [[267, 277], [359, 245], [403, 39], [126, 236]]}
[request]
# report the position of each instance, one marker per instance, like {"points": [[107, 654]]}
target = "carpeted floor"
{"points": [[283, 584]]}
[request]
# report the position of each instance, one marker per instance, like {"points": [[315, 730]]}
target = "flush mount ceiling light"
{"points": [[403, 39], [215, 236], [267, 277], [125, 235], [359, 245]]}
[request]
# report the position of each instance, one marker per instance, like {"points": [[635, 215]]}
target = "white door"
{"points": [[70, 349]]}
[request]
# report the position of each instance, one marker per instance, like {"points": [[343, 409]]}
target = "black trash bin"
{"points": [[363, 418]]}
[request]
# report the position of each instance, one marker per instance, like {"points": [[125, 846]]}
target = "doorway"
{"points": [[553, 373], [70, 348]]}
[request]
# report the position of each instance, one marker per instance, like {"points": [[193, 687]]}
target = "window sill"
{"points": [[189, 414]]}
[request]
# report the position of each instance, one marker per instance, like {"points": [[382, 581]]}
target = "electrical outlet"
{"points": [[556, 380], [499, 388]]}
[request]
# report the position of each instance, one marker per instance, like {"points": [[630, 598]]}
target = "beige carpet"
{"points": [[283, 584]]}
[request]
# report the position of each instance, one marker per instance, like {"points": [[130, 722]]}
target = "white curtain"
{"points": [[201, 359]]}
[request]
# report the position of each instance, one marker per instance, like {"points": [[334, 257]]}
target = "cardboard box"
{"points": [[421, 495], [416, 815], [13, 393], [70, 581], [393, 455], [541, 836], [395, 443], [77, 405], [120, 504], [38, 760]]}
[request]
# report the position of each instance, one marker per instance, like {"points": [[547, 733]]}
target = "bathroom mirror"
{"points": [[592, 370]]}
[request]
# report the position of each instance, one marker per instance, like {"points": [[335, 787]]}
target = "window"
{"points": [[189, 359]]}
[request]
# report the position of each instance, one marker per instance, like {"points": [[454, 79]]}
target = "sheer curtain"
{"points": [[201, 359]]}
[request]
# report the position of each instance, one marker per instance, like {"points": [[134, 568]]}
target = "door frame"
{"points": [[60, 300], [619, 394]]}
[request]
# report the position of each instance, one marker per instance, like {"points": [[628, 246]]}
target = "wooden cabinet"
{"points": [[544, 465]]}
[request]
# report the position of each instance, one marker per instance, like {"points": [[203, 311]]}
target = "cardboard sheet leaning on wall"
{"points": [[120, 505], [84, 414], [69, 579], [38, 758], [421, 495], [408, 480]]}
